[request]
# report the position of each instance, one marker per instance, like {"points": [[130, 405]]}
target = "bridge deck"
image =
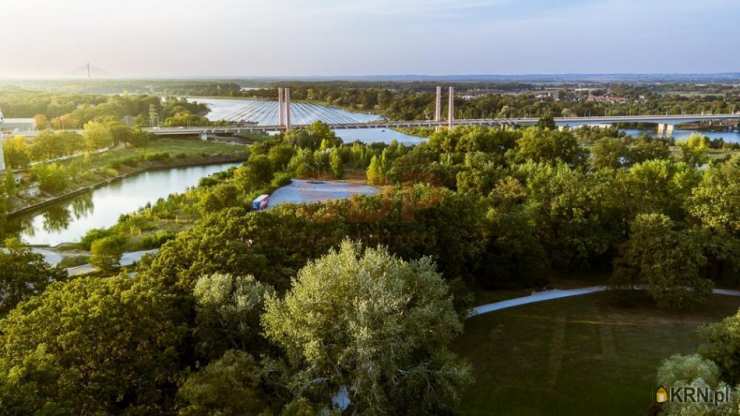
{"points": [[390, 124], [522, 121]]}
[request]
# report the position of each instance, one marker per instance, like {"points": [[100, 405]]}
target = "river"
{"points": [[69, 220], [679, 134]]}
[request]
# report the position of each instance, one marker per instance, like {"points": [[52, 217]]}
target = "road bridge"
{"points": [[666, 120], [665, 123]]}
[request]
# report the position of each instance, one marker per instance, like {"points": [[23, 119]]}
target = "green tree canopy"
{"points": [[229, 386], [341, 323], [23, 274], [91, 346], [228, 313], [668, 260]]}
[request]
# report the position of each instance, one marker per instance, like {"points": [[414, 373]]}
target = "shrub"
{"points": [[106, 252]]}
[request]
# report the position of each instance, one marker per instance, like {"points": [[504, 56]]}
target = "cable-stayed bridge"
{"points": [[244, 120]]}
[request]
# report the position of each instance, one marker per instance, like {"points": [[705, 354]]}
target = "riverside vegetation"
{"points": [[281, 311]]}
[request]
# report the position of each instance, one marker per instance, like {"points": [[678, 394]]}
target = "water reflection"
{"points": [[68, 221]]}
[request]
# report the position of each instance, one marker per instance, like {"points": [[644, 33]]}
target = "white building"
{"points": [[15, 125]]}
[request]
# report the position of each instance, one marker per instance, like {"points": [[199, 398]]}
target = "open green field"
{"points": [[176, 147], [577, 356]]}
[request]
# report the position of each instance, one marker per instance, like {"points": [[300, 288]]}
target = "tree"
{"points": [[97, 135], [542, 145], [280, 155], [223, 195], [106, 252], [659, 185], [714, 208], [139, 138], [257, 172], [303, 164], [337, 165], [17, 152], [546, 122], [687, 368], [514, 256], [645, 148], [52, 177], [91, 346], [341, 323], [721, 344], [120, 133], [578, 215], [609, 152], [714, 202], [23, 274], [229, 386], [228, 313], [694, 149], [41, 121], [669, 261], [375, 174]]}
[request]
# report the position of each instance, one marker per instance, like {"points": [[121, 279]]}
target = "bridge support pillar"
{"points": [[438, 107], [280, 120], [669, 130], [661, 129], [286, 98], [451, 109]]}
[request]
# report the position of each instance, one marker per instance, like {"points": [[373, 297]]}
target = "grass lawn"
{"points": [[577, 356]]}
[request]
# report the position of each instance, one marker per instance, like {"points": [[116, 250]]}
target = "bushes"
{"points": [[106, 252], [157, 157], [52, 178], [94, 234]]}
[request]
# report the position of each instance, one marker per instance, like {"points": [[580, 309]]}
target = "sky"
{"points": [[250, 38]]}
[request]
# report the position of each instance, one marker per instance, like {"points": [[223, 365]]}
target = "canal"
{"points": [[70, 220]]}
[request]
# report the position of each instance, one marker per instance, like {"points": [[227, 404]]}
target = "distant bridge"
{"points": [[665, 123], [662, 120]]}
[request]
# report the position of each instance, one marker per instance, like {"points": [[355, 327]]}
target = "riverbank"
{"points": [[159, 165], [104, 169]]}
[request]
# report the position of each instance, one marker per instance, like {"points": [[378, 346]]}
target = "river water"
{"points": [[70, 220], [728, 136]]}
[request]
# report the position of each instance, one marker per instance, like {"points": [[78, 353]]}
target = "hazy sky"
{"points": [[348, 37]]}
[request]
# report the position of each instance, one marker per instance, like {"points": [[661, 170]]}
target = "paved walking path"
{"points": [[558, 294]]}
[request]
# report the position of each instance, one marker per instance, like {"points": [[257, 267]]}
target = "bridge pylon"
{"points": [[286, 98], [438, 107], [451, 109], [280, 108]]}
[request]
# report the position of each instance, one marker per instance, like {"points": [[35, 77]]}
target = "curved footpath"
{"points": [[558, 294]]}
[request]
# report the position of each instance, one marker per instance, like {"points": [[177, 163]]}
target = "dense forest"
{"points": [[287, 310], [72, 111], [394, 100]]}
